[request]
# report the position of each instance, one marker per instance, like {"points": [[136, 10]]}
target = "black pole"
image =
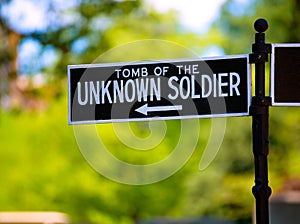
{"points": [[260, 123]]}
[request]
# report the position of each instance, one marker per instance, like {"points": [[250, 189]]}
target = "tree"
{"points": [[65, 183], [75, 33], [236, 23], [65, 27]]}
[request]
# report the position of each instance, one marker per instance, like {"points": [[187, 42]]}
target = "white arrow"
{"points": [[145, 109]]}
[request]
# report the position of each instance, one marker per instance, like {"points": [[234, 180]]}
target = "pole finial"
{"points": [[261, 25]]}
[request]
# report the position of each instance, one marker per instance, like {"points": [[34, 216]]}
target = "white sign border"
{"points": [[249, 85], [272, 75]]}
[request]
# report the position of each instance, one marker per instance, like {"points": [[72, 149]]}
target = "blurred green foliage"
{"points": [[42, 167]]}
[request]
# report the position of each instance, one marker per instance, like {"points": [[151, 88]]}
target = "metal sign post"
{"points": [[260, 123]]}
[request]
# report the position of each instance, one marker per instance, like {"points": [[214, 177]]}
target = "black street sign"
{"points": [[159, 90], [285, 75]]}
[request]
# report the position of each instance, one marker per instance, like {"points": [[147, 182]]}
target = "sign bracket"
{"points": [[260, 123]]}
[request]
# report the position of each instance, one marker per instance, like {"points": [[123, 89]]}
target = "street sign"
{"points": [[159, 90], [285, 75]]}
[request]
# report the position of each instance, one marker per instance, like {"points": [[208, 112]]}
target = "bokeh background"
{"points": [[41, 167]]}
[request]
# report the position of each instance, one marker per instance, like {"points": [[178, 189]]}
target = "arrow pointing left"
{"points": [[145, 109]]}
